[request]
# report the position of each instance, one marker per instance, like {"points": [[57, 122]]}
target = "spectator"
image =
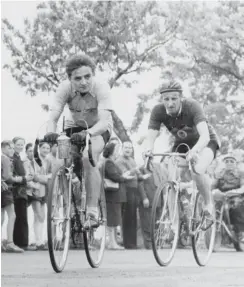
{"points": [[36, 194], [230, 182], [21, 231], [147, 189], [42, 173], [115, 196], [7, 199], [129, 217]]}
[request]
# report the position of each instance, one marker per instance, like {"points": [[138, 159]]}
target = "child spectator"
{"points": [[7, 200]]}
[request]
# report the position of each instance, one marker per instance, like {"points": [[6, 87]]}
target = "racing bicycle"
{"points": [[165, 219], [63, 208]]}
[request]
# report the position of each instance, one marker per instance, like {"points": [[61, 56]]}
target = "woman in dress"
{"points": [[40, 166], [115, 196]]}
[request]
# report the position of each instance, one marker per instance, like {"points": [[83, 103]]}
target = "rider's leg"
{"points": [[92, 175], [202, 180]]}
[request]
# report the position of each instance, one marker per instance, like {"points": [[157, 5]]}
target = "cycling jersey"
{"points": [[183, 125], [82, 107]]}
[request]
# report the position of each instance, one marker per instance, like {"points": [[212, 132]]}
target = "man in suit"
{"points": [[126, 163], [147, 189]]}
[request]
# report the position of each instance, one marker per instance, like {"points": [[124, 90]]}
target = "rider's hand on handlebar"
{"points": [[192, 156], [78, 138], [148, 153]]}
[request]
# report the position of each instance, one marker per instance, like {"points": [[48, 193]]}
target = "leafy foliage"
{"points": [[122, 37], [199, 42]]}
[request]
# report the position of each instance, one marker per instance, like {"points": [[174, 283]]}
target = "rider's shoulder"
{"points": [[100, 87], [64, 87], [159, 108], [189, 102]]}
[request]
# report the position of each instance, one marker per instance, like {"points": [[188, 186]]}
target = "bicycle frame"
{"points": [[221, 222], [176, 183]]}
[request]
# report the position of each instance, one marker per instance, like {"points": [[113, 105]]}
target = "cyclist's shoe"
{"points": [[91, 221], [208, 219]]}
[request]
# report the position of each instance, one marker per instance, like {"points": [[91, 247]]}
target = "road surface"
{"points": [[123, 268]]}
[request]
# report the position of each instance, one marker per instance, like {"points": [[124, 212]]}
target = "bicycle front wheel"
{"points": [[165, 224], [95, 236], [58, 219], [203, 238]]}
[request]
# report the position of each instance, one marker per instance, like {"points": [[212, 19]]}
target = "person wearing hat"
{"points": [[185, 120], [230, 183]]}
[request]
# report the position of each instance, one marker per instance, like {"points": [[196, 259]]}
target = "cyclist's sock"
{"points": [[92, 211]]}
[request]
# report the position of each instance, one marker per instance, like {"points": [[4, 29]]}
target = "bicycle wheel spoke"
{"points": [[203, 234], [95, 239], [165, 225], [59, 220]]}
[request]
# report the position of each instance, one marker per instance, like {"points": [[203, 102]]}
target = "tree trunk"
{"points": [[119, 128]]}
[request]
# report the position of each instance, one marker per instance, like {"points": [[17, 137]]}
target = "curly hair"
{"points": [[78, 61]]}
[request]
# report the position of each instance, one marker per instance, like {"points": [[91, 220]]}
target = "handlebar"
{"points": [[165, 154], [88, 144]]}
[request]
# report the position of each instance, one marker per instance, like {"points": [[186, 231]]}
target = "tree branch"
{"points": [[221, 68], [39, 72], [103, 53], [54, 74]]}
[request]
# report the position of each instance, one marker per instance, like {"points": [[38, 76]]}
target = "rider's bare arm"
{"points": [[204, 137], [105, 123], [150, 140], [57, 106], [214, 184]]}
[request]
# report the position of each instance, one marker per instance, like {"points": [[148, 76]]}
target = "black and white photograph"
{"points": [[122, 143]]}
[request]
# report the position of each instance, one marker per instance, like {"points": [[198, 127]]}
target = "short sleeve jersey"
{"points": [[81, 107], [182, 126]]}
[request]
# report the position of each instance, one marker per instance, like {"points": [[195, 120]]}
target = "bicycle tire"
{"points": [[156, 202], [58, 267], [103, 213], [209, 239]]}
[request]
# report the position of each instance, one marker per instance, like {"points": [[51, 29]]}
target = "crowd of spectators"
{"points": [[129, 191]]}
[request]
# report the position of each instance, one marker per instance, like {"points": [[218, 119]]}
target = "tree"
{"points": [[122, 37], [208, 53]]}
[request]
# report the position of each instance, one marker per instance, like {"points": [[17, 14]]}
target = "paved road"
{"points": [[123, 268]]}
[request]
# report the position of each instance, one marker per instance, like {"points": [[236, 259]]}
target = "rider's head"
{"points": [[80, 70], [230, 161], [172, 95]]}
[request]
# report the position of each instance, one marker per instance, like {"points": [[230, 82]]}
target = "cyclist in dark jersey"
{"points": [[186, 121]]}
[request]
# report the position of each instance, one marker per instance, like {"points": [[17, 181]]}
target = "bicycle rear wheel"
{"points": [[95, 237], [165, 223], [58, 219], [203, 237]]}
